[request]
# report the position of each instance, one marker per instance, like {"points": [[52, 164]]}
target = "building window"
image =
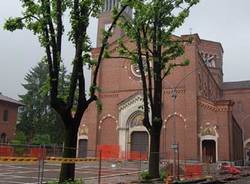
{"points": [[240, 106], [5, 115], [109, 5], [135, 68], [3, 138]]}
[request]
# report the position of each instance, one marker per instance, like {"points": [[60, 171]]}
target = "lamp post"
{"points": [[175, 146]]}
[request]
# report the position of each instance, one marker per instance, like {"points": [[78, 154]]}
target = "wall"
{"points": [[8, 127]]}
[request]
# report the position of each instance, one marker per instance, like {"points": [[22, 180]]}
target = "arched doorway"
{"points": [[209, 151], [247, 151], [139, 142], [208, 143], [138, 137], [83, 148]]}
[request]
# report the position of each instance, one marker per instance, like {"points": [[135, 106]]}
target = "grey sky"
{"points": [[225, 21]]}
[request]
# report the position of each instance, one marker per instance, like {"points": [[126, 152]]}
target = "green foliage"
{"points": [[106, 54], [151, 31], [38, 118], [153, 24], [186, 62], [145, 175], [14, 23], [99, 105], [46, 19], [20, 138], [37, 16], [163, 174], [41, 139], [19, 141]]}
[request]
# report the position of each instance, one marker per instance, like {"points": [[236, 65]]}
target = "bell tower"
{"points": [[105, 21]]}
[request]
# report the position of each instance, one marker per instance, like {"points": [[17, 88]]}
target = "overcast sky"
{"points": [[225, 21]]}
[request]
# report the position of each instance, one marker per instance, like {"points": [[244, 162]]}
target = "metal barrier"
{"points": [[107, 164]]}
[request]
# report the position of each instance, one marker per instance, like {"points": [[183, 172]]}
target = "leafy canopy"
{"points": [[152, 29], [37, 117]]}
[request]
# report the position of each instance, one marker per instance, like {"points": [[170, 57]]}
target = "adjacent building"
{"points": [[208, 118], [8, 118]]}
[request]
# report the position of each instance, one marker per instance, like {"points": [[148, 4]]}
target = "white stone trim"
{"points": [[132, 102], [175, 114], [106, 117], [125, 111]]}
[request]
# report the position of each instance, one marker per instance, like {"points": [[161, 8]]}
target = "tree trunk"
{"points": [[70, 141], [154, 156]]}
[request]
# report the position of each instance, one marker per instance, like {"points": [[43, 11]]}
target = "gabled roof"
{"points": [[236, 85], [10, 100]]}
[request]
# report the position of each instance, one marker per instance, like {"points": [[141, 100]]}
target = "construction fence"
{"points": [[107, 164], [41, 163]]}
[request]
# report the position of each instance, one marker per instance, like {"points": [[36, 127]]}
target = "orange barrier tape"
{"points": [[18, 159], [69, 160], [47, 159]]}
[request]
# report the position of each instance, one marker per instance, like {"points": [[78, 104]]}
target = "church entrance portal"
{"points": [[139, 142], [83, 148], [209, 151]]}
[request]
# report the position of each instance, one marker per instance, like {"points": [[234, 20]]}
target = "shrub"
{"points": [[145, 175], [162, 174]]}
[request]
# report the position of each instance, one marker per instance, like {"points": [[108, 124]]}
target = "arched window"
{"points": [[136, 119]]}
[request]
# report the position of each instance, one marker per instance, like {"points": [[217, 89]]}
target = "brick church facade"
{"points": [[208, 118]]}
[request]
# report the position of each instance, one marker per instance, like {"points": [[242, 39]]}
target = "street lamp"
{"points": [[175, 146]]}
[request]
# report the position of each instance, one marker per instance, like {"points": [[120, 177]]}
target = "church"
{"points": [[207, 118]]}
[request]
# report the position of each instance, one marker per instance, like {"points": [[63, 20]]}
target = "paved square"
{"points": [[28, 173]]}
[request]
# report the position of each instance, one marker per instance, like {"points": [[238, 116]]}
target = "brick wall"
{"points": [[8, 127]]}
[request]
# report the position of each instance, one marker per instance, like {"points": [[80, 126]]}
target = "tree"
{"points": [[38, 118], [45, 19], [155, 49]]}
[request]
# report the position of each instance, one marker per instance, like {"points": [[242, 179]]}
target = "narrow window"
{"points": [[5, 115], [110, 5], [106, 5]]}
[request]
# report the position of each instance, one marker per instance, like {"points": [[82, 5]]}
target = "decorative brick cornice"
{"points": [[218, 106], [207, 106], [110, 95], [178, 91]]}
